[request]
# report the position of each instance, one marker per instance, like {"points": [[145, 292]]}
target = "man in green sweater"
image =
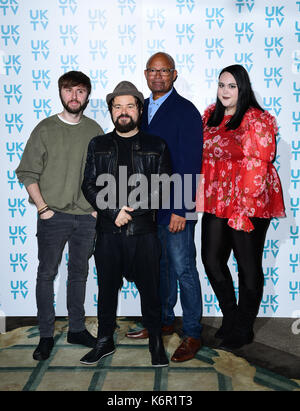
{"points": [[52, 169]]}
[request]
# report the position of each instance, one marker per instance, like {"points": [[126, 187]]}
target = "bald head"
{"points": [[163, 55], [160, 74]]}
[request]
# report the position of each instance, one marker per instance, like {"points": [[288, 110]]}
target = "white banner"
{"points": [[111, 41]]}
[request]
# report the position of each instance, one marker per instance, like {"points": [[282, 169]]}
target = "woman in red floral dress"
{"points": [[239, 195]]}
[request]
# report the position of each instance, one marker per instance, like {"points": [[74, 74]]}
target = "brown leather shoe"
{"points": [[138, 335], [142, 334], [187, 349], [167, 329]]}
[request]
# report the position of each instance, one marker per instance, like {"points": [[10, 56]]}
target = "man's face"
{"points": [[74, 99], [125, 113], [158, 83]]}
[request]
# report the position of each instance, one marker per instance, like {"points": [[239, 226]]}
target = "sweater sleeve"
{"points": [[33, 159], [258, 145]]}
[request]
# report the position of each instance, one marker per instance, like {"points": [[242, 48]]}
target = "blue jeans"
{"points": [[53, 234], [178, 263]]}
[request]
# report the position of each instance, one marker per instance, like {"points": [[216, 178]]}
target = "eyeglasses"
{"points": [[165, 72], [119, 107]]}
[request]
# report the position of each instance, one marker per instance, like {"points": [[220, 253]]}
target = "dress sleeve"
{"points": [[258, 145]]}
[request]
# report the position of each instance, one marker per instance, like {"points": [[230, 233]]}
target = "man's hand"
{"points": [[48, 214], [94, 214], [177, 223], [123, 217]]}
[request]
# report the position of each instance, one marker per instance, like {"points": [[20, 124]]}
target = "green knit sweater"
{"points": [[54, 157]]}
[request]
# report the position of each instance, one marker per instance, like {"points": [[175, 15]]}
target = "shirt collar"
{"points": [[161, 99]]}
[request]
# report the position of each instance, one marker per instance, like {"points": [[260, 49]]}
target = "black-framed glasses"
{"points": [[119, 107], [163, 71]]}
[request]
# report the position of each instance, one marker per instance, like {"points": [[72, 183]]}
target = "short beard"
{"points": [[125, 128], [81, 107]]}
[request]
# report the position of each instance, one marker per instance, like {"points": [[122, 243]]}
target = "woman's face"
{"points": [[228, 92]]}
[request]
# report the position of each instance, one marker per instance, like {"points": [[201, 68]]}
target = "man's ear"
{"points": [[175, 75]]}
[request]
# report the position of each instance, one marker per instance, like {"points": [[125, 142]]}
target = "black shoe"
{"points": [[225, 293], [43, 350], [220, 333], [105, 346], [82, 338], [157, 351], [237, 340], [226, 327]]}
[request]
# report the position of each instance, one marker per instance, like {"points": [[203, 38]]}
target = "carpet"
{"points": [[129, 369]]}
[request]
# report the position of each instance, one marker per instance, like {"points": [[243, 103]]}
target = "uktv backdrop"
{"points": [[111, 41]]}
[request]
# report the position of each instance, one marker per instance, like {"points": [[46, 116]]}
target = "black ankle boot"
{"points": [[225, 294], [82, 338], [157, 351], [227, 326], [248, 306], [237, 340], [105, 346], [43, 350]]}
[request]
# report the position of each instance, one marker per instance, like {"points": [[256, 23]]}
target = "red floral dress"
{"points": [[239, 179]]}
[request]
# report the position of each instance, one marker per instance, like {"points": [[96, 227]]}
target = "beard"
{"points": [[77, 110], [125, 128]]}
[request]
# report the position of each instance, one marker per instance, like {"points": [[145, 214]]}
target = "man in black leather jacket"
{"points": [[120, 171]]}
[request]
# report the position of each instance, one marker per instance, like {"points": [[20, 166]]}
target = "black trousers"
{"points": [[137, 258], [218, 240]]}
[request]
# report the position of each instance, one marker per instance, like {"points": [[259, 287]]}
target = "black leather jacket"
{"points": [[150, 155]]}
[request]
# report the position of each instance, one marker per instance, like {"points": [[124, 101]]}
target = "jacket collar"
{"points": [[160, 113]]}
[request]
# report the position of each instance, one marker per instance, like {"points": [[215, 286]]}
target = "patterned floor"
{"points": [[129, 369]]}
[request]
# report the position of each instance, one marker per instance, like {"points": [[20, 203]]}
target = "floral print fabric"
{"points": [[239, 179]]}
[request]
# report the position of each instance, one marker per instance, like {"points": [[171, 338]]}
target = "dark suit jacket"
{"points": [[179, 123]]}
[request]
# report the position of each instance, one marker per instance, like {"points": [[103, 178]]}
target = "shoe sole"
{"points": [[95, 362], [160, 365], [137, 337], [180, 360], [40, 357]]}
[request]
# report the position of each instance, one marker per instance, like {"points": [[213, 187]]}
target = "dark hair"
{"points": [[246, 99], [137, 102], [74, 78]]}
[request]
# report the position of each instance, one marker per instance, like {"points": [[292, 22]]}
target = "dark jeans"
{"points": [[178, 263], [137, 258], [53, 234]]}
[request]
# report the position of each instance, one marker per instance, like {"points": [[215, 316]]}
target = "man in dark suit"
{"points": [[175, 119]]}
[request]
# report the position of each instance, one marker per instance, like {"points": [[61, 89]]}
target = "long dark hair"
{"points": [[246, 99]]}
